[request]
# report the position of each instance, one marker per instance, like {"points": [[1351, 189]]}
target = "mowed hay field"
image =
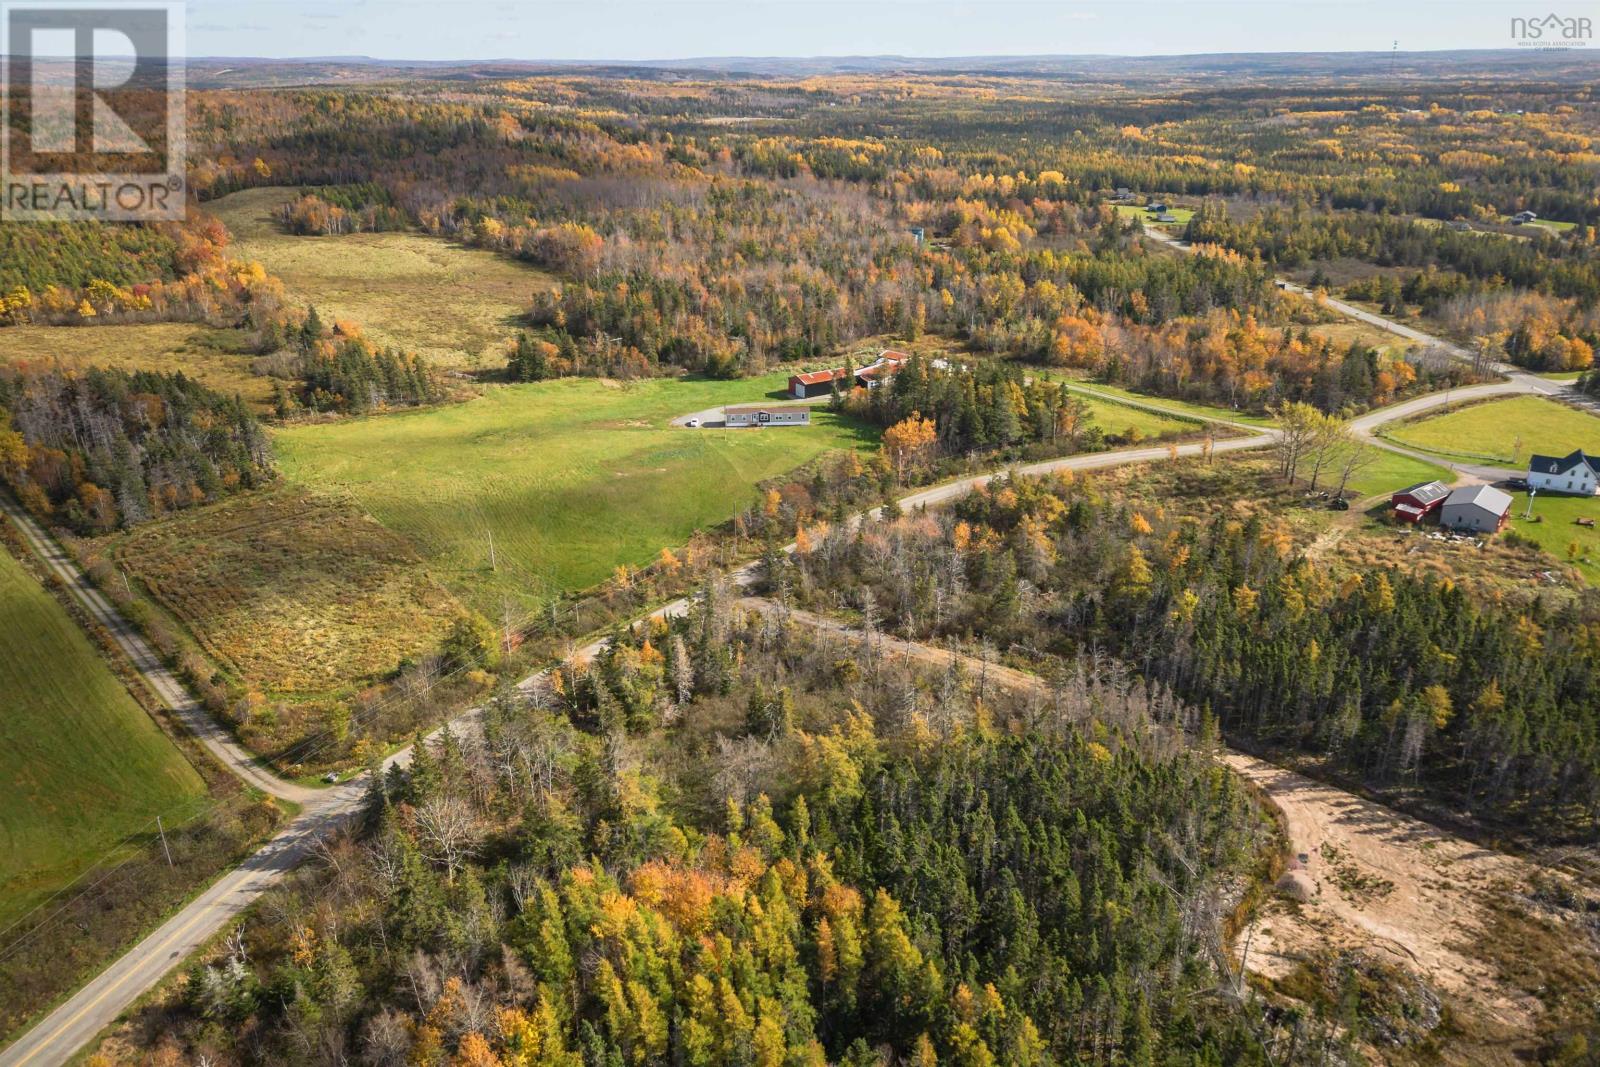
{"points": [[565, 479], [294, 594], [81, 764], [216, 358], [455, 305], [1131, 422], [1505, 432]]}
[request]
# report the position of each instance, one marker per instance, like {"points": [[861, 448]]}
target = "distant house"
{"points": [[820, 382], [1156, 207], [919, 234], [815, 383], [1419, 501], [1479, 508], [757, 415], [1123, 192], [1166, 217], [1577, 473], [1461, 225], [880, 370], [1522, 218]]}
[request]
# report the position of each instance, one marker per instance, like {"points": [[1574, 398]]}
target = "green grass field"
{"points": [[1503, 432], [1549, 224], [1200, 411], [1119, 419], [455, 305], [1557, 529], [82, 765], [565, 479], [1391, 472], [216, 358], [1182, 214]]}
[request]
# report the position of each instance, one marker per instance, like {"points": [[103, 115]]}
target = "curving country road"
{"points": [[61, 1034]]}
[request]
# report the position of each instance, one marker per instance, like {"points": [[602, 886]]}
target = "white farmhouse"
{"points": [[1575, 473]]}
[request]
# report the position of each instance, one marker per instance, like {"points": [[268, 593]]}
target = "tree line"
{"points": [[109, 448]]}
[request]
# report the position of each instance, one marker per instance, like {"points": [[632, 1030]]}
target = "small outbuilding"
{"points": [[816, 383], [1475, 509], [757, 415], [1419, 501]]}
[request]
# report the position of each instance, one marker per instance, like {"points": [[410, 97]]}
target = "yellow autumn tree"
{"points": [[910, 443]]}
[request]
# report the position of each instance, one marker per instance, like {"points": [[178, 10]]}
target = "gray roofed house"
{"points": [[757, 415], [1481, 508]]}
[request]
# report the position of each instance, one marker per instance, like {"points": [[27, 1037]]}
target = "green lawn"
{"points": [[1556, 529], [82, 764], [1182, 214], [1118, 419], [1549, 224], [1391, 472], [1206, 412], [1503, 432], [568, 478]]}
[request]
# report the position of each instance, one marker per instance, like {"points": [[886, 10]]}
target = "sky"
{"points": [[677, 29]]}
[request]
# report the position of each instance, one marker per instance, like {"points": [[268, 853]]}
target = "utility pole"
{"points": [[162, 830]]}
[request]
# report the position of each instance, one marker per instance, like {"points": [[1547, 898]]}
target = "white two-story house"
{"points": [[1576, 473]]}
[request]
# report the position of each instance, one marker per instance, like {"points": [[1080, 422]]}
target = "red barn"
{"points": [[1419, 501], [816, 383]]}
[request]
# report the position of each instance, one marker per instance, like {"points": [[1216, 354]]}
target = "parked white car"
{"points": [[693, 424]]}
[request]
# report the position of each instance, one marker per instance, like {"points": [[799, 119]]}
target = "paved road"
{"points": [[74, 1024], [162, 682]]}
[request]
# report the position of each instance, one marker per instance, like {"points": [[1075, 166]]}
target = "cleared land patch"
{"points": [[532, 490], [291, 592], [82, 765], [215, 358], [455, 305], [1505, 432]]}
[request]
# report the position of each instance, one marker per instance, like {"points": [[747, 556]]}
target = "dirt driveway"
{"points": [[1390, 885]]}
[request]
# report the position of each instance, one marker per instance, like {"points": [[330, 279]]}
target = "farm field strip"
{"points": [[83, 764]]}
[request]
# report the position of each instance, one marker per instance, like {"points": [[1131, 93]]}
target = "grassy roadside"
{"points": [[125, 886]]}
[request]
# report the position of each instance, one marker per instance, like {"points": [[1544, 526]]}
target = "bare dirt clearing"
{"points": [[1390, 885]]}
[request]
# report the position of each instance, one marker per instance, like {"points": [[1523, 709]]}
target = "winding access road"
{"points": [[76, 1023]]}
